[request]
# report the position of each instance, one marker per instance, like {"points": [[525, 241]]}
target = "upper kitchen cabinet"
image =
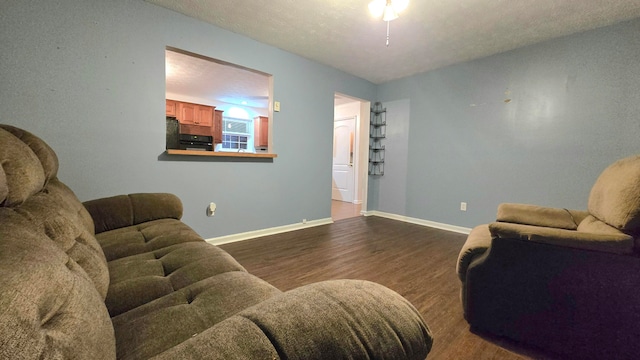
{"points": [[204, 115], [194, 114], [187, 113], [190, 114], [217, 127], [172, 108], [261, 131]]}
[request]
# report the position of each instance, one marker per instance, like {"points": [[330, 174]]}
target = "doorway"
{"points": [[343, 172], [350, 156]]}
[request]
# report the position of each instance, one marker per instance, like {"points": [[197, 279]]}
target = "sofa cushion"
{"points": [[537, 215], [615, 197], [31, 188], [126, 210], [59, 215], [45, 154], [613, 242], [168, 321], [254, 343], [338, 319], [326, 326], [23, 174], [592, 225], [49, 307], [145, 237], [141, 278]]}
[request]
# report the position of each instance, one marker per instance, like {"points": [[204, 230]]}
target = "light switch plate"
{"points": [[276, 106]]}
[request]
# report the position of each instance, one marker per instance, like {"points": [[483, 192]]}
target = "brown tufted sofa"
{"points": [[123, 277], [566, 281]]}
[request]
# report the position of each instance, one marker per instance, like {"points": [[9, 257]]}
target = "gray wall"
{"points": [[88, 77], [388, 193], [534, 125]]}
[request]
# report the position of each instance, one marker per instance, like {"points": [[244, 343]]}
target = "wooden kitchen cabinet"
{"points": [[261, 131], [217, 127], [187, 113], [172, 108], [197, 119], [194, 114], [204, 115], [190, 114]]}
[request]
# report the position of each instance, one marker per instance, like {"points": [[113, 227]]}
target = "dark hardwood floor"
{"points": [[417, 262]]}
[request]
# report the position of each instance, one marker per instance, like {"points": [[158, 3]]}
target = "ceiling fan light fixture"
{"points": [[376, 8], [387, 9], [389, 13]]}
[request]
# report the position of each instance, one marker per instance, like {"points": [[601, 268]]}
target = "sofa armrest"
{"points": [[338, 319], [477, 243], [540, 216], [127, 210], [613, 241]]}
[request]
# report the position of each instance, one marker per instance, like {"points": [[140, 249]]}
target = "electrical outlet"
{"points": [[463, 206], [304, 221], [211, 209]]}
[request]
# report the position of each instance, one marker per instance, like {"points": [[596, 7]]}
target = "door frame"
{"points": [[361, 156]]}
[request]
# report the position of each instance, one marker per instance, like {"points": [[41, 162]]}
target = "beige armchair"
{"points": [[566, 281]]}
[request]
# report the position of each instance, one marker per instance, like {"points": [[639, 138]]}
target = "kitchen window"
{"points": [[237, 134]]}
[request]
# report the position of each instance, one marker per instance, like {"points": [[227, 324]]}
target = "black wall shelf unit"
{"points": [[377, 132]]}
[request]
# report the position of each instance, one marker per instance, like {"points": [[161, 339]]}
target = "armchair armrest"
{"points": [[478, 242], [339, 319], [540, 216], [612, 241], [127, 210]]}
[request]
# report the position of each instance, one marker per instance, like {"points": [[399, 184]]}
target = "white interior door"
{"points": [[343, 157]]}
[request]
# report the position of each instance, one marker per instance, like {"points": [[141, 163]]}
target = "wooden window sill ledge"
{"points": [[226, 154]]}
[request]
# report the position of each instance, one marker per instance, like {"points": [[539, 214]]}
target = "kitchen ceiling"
{"points": [[204, 79], [428, 35]]}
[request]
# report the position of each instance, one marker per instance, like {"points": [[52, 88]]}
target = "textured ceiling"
{"points": [[428, 35], [200, 77]]}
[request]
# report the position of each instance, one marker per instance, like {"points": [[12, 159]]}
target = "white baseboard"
{"points": [[433, 224], [298, 226], [265, 232]]}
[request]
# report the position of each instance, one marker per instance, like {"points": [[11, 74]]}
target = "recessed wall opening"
{"points": [[350, 155], [213, 106]]}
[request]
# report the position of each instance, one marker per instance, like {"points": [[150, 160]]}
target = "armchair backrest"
{"points": [[615, 197]]}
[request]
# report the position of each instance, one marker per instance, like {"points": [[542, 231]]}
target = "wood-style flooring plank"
{"points": [[417, 262]]}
